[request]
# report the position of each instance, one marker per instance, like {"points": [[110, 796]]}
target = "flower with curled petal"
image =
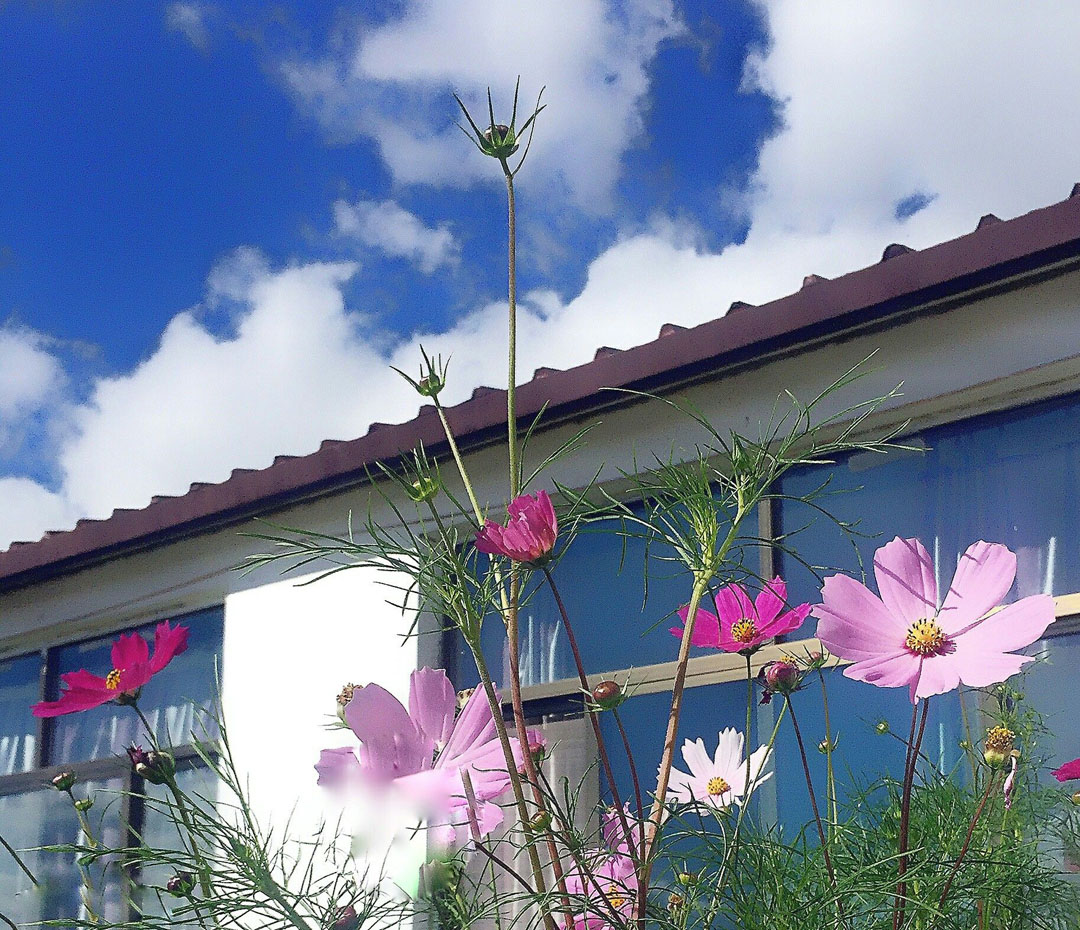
{"points": [[529, 534], [133, 666], [906, 637]]}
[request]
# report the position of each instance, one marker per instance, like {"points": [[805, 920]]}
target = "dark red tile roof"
{"points": [[903, 279]]}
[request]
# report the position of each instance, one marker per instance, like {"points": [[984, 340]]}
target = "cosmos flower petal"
{"points": [[169, 642], [72, 701], [890, 670], [1013, 627], [695, 757], [853, 623], [706, 627], [983, 577], [432, 703], [733, 604], [392, 745], [905, 578], [938, 675], [770, 601], [336, 767], [130, 650], [787, 622], [1067, 772], [981, 669]]}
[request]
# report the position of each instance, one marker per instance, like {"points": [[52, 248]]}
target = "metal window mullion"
{"points": [[45, 727]]}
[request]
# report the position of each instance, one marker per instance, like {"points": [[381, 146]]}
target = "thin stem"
{"points": [[967, 732], [830, 773], [88, 891], [967, 839], [813, 798], [637, 852], [474, 832], [605, 759], [456, 453], [749, 717], [511, 382], [914, 744], [18, 860]]}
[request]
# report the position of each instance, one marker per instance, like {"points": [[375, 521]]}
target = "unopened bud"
{"points": [[344, 696], [998, 746], [347, 919], [64, 781], [423, 489], [783, 677], [675, 902], [82, 805], [430, 386], [500, 141], [1076, 799], [181, 885], [881, 727], [826, 746], [541, 821], [608, 695], [155, 766], [687, 878]]}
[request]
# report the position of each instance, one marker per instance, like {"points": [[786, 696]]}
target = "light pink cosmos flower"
{"points": [[720, 781], [609, 871], [742, 625], [529, 535], [133, 667], [904, 638], [421, 752], [1068, 772]]}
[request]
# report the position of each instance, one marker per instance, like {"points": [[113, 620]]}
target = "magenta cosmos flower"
{"points": [[904, 638], [133, 667], [529, 535], [421, 752], [1068, 771], [742, 625]]}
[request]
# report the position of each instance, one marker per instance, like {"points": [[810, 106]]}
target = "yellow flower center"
{"points": [[744, 630], [615, 896], [717, 786], [925, 638], [112, 680], [1000, 739]]}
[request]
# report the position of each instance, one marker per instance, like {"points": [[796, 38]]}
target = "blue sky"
{"points": [[212, 208]]}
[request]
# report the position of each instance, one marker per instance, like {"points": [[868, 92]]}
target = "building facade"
{"points": [[984, 333]]}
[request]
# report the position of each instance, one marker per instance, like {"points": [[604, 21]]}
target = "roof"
{"points": [[904, 279]]}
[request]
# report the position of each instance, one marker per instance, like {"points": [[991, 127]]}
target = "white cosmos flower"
{"points": [[720, 781]]}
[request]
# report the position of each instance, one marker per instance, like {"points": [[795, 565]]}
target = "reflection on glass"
{"points": [[18, 730], [45, 817], [107, 730], [159, 832]]}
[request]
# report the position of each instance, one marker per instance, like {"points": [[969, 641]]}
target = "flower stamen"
{"points": [[925, 638], [615, 896], [717, 786], [743, 630], [112, 680]]}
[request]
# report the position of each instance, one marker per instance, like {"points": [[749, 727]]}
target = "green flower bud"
{"points": [[181, 885], [608, 695], [882, 727], [500, 141], [541, 821], [826, 746], [423, 489], [430, 385], [64, 781], [1076, 799], [998, 746], [82, 805]]}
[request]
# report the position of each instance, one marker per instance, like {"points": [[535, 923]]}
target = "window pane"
{"points": [[603, 588], [46, 817], [1047, 689], [19, 683], [106, 731], [1011, 478], [159, 832]]}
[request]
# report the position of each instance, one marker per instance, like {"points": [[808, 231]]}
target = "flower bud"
{"points": [[423, 489], [430, 385], [687, 878], [82, 805], [64, 781], [675, 902], [181, 885], [782, 677], [881, 727], [500, 141], [540, 822], [347, 919], [826, 746], [155, 766], [608, 695], [1076, 799], [998, 746]]}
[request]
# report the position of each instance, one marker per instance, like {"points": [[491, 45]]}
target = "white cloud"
{"points": [[394, 85], [190, 20], [30, 374], [972, 104], [396, 232]]}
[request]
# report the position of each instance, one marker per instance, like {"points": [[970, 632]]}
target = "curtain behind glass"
{"points": [[18, 730]]}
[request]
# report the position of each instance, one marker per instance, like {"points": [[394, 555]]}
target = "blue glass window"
{"points": [[1012, 478], [19, 685], [107, 730]]}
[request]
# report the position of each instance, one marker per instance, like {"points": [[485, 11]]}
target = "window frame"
{"points": [[132, 811]]}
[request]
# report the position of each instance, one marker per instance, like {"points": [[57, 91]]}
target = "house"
{"points": [[984, 333]]}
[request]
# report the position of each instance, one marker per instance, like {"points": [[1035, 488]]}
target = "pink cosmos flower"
{"points": [[904, 638], [742, 625], [421, 752], [529, 535], [611, 827], [720, 781], [133, 667], [608, 871], [1068, 771]]}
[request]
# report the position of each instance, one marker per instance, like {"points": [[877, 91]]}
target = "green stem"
{"points": [[88, 890], [511, 383], [914, 745], [456, 453], [830, 774], [18, 860]]}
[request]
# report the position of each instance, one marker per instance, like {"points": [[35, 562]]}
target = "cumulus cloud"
{"points": [[953, 112], [394, 82], [32, 378], [394, 231], [191, 21]]}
